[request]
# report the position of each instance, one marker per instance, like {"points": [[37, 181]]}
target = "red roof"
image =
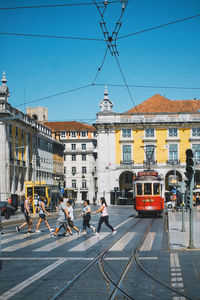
{"points": [[69, 126], [160, 104]]}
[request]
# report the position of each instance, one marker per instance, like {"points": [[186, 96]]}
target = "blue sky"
{"points": [[39, 67]]}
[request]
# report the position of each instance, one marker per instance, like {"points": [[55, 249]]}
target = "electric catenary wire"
{"points": [[99, 69], [159, 26], [55, 95], [111, 39], [57, 5], [51, 36], [148, 86]]}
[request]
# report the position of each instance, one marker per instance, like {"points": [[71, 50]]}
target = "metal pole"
{"points": [[191, 242], [183, 214]]}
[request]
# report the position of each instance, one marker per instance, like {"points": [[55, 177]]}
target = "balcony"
{"points": [[18, 162], [150, 162], [126, 162], [173, 162], [23, 163]]}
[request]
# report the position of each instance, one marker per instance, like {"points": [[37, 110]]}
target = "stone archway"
{"points": [[126, 184], [170, 180]]}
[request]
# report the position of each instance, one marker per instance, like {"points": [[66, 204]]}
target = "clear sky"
{"points": [[39, 67]]}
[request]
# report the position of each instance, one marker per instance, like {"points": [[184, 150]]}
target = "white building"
{"points": [[26, 149], [80, 156]]}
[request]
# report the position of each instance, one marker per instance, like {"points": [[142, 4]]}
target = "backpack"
{"points": [[22, 206]]}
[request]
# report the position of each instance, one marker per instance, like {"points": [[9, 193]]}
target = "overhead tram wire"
{"points": [[57, 5], [99, 69], [51, 36], [55, 95], [148, 86], [157, 27]]}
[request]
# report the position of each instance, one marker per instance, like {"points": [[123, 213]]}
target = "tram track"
{"points": [[116, 288], [78, 276]]}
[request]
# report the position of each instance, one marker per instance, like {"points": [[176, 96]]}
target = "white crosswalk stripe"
{"points": [[26, 243], [25, 240], [85, 245], [148, 242], [121, 244], [56, 243]]}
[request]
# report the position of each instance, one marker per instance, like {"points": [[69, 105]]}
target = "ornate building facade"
{"points": [[26, 149], [155, 134]]}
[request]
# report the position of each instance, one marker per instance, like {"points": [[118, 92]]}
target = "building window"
{"points": [[195, 131], [11, 150], [63, 134], [16, 131], [84, 184], [64, 170], [83, 146], [73, 157], [173, 132], [64, 157], [149, 151], [83, 133], [73, 146], [126, 153], [73, 134], [173, 152], [10, 130], [126, 133], [74, 184], [22, 134], [73, 170], [84, 170], [196, 151], [149, 132], [83, 156]]}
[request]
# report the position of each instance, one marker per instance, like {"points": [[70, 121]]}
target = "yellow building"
{"points": [[155, 134]]}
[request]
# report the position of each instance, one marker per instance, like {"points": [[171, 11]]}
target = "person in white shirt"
{"points": [[104, 216], [70, 217]]}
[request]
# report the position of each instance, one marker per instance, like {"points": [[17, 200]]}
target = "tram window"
{"points": [[139, 189], [156, 188], [147, 189]]}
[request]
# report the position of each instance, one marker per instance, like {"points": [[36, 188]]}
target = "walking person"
{"points": [[26, 214], [104, 216], [42, 216], [86, 214], [70, 217], [62, 214]]}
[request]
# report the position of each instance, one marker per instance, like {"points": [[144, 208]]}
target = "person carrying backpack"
{"points": [[42, 216]]}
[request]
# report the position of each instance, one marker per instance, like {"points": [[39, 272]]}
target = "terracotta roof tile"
{"points": [[160, 104], [69, 126]]}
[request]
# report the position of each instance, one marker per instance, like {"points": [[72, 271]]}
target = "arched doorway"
{"points": [[126, 184], [171, 181]]}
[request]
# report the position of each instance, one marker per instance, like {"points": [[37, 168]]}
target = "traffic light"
{"points": [[187, 201], [189, 166]]}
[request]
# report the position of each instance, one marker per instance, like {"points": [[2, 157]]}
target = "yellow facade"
{"points": [[138, 150], [184, 135], [118, 146], [161, 150]]}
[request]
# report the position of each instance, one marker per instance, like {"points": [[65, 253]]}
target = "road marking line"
{"points": [[16, 237], [148, 242], [26, 243], [56, 243], [85, 245], [176, 275], [116, 258], [146, 258], [120, 245], [47, 258], [16, 289]]}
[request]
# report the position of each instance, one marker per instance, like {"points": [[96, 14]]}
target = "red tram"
{"points": [[148, 193]]}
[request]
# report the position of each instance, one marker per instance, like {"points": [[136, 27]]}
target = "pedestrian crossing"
{"points": [[75, 243]]}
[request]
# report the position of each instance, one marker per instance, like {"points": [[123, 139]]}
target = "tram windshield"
{"points": [[148, 188]]}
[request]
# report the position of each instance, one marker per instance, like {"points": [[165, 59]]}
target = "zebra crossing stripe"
{"points": [[121, 244], [26, 243], [148, 242], [56, 243], [16, 237], [86, 244], [16, 289]]}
